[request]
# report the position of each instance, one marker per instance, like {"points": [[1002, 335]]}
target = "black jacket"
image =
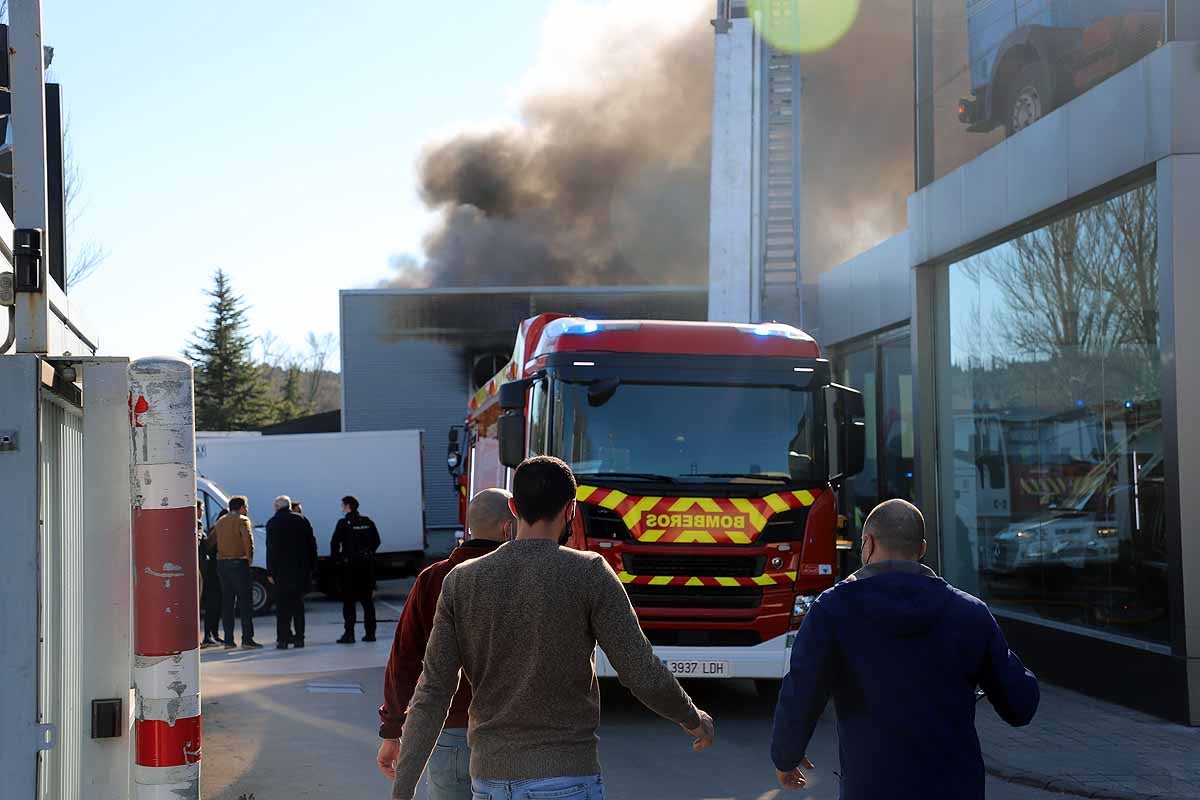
{"points": [[901, 652], [291, 549], [354, 543], [206, 557]]}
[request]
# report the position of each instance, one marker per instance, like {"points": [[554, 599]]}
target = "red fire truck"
{"points": [[707, 455]]}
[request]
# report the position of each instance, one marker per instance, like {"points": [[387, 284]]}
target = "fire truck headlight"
{"points": [[802, 604]]}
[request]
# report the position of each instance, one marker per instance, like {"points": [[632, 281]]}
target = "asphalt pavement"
{"points": [[300, 724]]}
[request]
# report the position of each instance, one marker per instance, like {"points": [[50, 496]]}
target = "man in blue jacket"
{"points": [[902, 653]]}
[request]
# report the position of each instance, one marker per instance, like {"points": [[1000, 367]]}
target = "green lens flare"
{"points": [[803, 26]]}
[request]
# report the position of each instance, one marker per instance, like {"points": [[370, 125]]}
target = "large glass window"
{"points": [[1050, 422], [994, 67], [882, 370], [682, 432]]}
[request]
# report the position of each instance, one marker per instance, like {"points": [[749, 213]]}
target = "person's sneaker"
{"points": [[281, 645], [347, 638], [250, 644], [207, 643], [298, 643], [370, 637], [229, 645]]}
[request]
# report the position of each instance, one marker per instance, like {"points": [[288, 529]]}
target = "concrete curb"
{"points": [[1065, 785]]}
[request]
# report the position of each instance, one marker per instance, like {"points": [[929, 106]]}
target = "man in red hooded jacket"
{"points": [[490, 523]]}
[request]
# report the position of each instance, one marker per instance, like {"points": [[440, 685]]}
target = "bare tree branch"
{"points": [[319, 350], [272, 352], [82, 260]]}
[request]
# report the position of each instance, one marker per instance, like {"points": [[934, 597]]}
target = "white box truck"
{"points": [[381, 468]]}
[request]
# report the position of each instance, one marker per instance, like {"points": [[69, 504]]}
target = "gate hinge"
{"points": [[47, 736]]}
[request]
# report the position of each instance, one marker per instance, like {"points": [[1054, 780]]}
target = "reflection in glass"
{"points": [[999, 66], [1049, 394], [861, 493], [896, 426], [882, 371]]}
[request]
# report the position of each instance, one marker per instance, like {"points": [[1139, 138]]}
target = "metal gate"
{"points": [[62, 619]]}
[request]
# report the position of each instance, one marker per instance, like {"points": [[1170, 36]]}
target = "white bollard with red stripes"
{"points": [[166, 641]]}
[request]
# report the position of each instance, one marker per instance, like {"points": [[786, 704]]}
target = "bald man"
{"points": [[902, 653], [490, 523]]}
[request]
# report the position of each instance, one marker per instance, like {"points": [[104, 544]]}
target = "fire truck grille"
{"points": [[645, 596], [730, 638], [699, 566]]}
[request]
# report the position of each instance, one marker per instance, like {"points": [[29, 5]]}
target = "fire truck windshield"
{"points": [[710, 433]]}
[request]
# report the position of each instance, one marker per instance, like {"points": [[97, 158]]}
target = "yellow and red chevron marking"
{"points": [[774, 579], [695, 520]]}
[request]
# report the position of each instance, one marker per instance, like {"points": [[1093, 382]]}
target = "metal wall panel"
{"points": [[869, 292], [106, 638], [1179, 286], [406, 385], [19, 514]]}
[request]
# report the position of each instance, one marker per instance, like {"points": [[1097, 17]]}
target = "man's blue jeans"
{"points": [[589, 787], [449, 766]]}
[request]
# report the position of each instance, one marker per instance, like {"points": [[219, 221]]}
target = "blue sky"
{"points": [[275, 140]]}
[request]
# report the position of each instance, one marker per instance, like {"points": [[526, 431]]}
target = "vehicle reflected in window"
{"points": [[1049, 390]]}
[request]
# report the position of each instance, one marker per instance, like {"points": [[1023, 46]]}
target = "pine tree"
{"points": [[230, 395]]}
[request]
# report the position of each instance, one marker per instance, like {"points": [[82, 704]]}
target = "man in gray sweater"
{"points": [[522, 623]]}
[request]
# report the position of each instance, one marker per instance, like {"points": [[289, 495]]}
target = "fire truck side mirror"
{"points": [[512, 422], [850, 413]]}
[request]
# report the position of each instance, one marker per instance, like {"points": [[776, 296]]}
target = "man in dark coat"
{"points": [[353, 547], [902, 653], [291, 558], [210, 595]]}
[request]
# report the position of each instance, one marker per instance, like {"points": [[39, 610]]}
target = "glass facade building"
{"points": [[1025, 342]]}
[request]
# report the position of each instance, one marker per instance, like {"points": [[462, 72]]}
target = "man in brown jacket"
{"points": [[522, 624], [233, 542], [490, 523]]}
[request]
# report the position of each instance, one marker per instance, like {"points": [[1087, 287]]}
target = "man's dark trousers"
{"points": [[289, 610], [235, 586], [351, 597], [210, 599]]}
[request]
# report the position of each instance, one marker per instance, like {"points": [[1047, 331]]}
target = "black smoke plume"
{"points": [[605, 180]]}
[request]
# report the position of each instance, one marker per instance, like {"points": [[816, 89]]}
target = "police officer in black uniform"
{"points": [[353, 547], [291, 558]]}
